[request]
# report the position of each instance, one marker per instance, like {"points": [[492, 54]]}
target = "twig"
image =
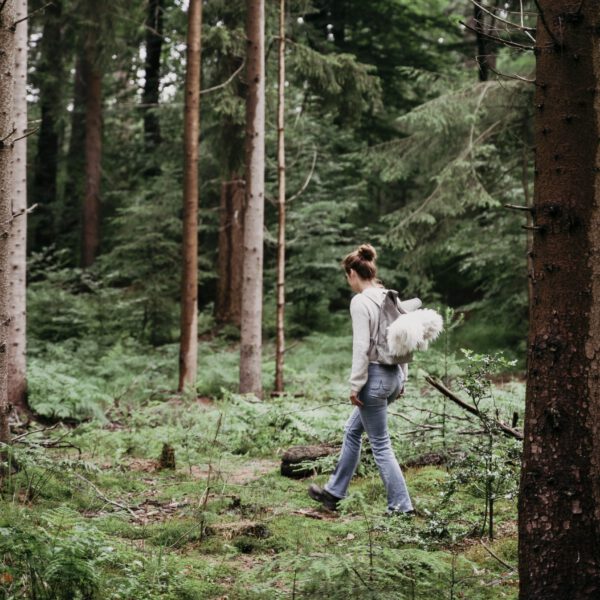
{"points": [[222, 85], [33, 12], [307, 180], [471, 409], [498, 39], [492, 553], [518, 207], [26, 135], [24, 435], [103, 497], [522, 27], [517, 77]]}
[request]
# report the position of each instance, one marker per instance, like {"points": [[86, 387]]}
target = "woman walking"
{"points": [[373, 387]]}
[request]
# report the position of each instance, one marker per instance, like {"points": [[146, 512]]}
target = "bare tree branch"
{"points": [[497, 39], [222, 85], [306, 181], [521, 27]]}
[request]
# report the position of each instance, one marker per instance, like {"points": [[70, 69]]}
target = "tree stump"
{"points": [[167, 457], [294, 456]]}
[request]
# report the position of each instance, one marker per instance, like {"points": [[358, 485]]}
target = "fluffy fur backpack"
{"points": [[403, 328]]}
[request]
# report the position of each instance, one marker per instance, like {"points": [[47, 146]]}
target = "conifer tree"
{"points": [[17, 383], [7, 66], [188, 353], [251, 331]]}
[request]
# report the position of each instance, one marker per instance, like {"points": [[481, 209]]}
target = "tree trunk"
{"points": [[49, 75], [7, 65], [479, 23], [69, 219], [93, 151], [559, 502], [150, 97], [231, 243], [280, 319], [188, 353], [17, 382], [251, 331]]}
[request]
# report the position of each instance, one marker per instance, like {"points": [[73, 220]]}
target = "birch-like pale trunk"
{"points": [[188, 349], [7, 66], [280, 318], [251, 329], [17, 382]]}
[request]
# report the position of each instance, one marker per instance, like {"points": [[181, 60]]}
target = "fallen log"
{"points": [[293, 457]]}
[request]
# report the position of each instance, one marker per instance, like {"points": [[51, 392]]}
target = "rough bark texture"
{"points": [[93, 151], [559, 503], [294, 456], [150, 97], [188, 351], [17, 383], [251, 331], [280, 318], [48, 76], [7, 65], [231, 239]]}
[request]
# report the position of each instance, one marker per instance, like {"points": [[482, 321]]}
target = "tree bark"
{"points": [[559, 501], [188, 352], [7, 66], [280, 318], [69, 219], [17, 382], [251, 330], [49, 75], [231, 241], [93, 150], [150, 97]]}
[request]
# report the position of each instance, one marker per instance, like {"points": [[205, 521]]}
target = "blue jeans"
{"points": [[383, 386]]}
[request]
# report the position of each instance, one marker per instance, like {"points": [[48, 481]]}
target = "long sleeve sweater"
{"points": [[365, 320]]}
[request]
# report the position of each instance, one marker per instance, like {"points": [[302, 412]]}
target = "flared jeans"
{"points": [[383, 386]]}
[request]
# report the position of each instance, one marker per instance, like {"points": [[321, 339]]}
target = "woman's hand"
{"points": [[355, 400]]}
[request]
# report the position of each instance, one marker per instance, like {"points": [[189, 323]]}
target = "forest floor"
{"points": [[89, 513]]}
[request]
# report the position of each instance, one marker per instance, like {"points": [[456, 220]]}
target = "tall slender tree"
{"points": [[92, 77], [280, 319], [17, 383], [559, 501], [188, 352], [7, 66], [251, 330], [48, 77]]}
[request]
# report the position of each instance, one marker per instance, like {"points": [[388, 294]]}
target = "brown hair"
{"points": [[362, 260]]}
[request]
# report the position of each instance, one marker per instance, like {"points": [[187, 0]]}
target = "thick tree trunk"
{"points": [[479, 21], [150, 97], [559, 502], [188, 352], [7, 65], [251, 331], [231, 242], [17, 382], [49, 74], [280, 319], [93, 151]]}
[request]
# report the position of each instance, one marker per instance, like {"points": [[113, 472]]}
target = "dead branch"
{"points": [[306, 181], [26, 135], [517, 77], [491, 553], [498, 39], [521, 27], [17, 438], [103, 497], [226, 82], [518, 207], [28, 15], [509, 431]]}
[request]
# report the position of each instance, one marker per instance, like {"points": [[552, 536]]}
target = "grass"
{"points": [[225, 522]]}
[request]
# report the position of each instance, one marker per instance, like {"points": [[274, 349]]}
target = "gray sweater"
{"points": [[365, 319]]}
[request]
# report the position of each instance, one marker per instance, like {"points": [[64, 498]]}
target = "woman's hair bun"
{"points": [[367, 252]]}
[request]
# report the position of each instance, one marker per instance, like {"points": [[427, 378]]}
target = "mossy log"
{"points": [[293, 457]]}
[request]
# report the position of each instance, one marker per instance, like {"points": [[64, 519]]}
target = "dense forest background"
{"points": [[395, 135]]}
